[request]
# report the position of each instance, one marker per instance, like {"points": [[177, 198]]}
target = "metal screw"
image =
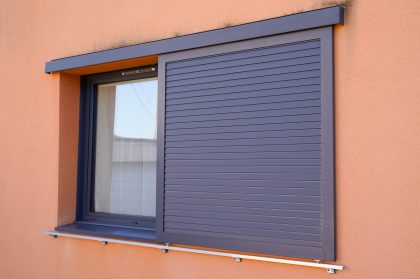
{"points": [[104, 242], [331, 270], [54, 235], [164, 250], [238, 260]]}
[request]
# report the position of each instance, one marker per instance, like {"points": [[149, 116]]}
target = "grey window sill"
{"points": [[109, 231]]}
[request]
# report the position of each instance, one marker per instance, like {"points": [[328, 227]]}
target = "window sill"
{"points": [[81, 234], [109, 231]]}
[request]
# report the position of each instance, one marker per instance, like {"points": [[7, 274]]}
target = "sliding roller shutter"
{"points": [[246, 146]]}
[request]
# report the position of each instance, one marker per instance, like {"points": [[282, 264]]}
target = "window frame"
{"points": [[86, 154]]}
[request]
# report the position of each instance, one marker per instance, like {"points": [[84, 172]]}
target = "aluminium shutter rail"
{"points": [[331, 268]]}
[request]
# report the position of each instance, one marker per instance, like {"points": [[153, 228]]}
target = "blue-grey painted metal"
{"points": [[246, 146], [284, 24]]}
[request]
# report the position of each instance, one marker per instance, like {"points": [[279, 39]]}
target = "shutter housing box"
{"points": [[245, 151]]}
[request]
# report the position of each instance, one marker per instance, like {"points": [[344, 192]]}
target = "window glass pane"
{"points": [[125, 160]]}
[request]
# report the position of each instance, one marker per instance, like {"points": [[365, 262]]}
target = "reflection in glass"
{"points": [[125, 161]]}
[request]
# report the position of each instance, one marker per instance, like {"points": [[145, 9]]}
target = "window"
{"points": [[118, 149], [231, 146]]}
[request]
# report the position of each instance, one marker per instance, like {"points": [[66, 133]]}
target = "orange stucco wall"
{"points": [[377, 55]]}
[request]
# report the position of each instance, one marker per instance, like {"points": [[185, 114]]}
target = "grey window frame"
{"points": [[86, 160]]}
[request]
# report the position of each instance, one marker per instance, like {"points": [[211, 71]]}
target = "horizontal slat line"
{"points": [[291, 91], [248, 197], [273, 113], [274, 64], [210, 214], [234, 136], [273, 71], [291, 126], [244, 183], [172, 205], [315, 133], [242, 169], [270, 110], [246, 172], [246, 141], [247, 115], [275, 94], [238, 188], [235, 212], [305, 206], [252, 218], [245, 165], [237, 55], [224, 179], [244, 176], [261, 239], [200, 213], [305, 118], [192, 190], [278, 99], [245, 149], [171, 217], [240, 62], [296, 84], [313, 77], [168, 191], [244, 82], [296, 155], [223, 166], [240, 160], [257, 220], [171, 224], [267, 227], [265, 106], [247, 232], [312, 230], [254, 211], [239, 103], [282, 60], [257, 142], [227, 205], [236, 124]]}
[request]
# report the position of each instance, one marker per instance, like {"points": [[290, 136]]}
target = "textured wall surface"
{"points": [[377, 135]]}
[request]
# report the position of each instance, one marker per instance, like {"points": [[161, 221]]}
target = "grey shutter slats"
{"points": [[276, 219], [237, 123], [305, 126], [288, 94], [245, 183], [284, 212], [249, 87], [257, 52], [189, 190], [295, 65], [243, 81], [193, 109], [286, 71], [248, 61], [242, 163], [248, 142], [251, 100], [248, 169]]}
